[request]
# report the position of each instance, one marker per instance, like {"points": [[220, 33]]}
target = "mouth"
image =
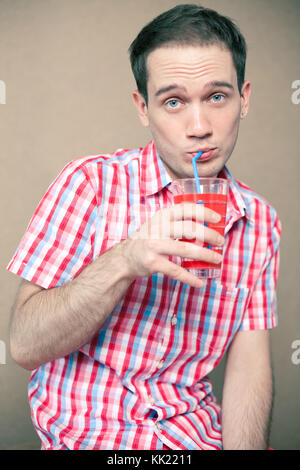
{"points": [[207, 154]]}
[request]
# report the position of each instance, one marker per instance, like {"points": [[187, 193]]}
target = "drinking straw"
{"points": [[195, 169]]}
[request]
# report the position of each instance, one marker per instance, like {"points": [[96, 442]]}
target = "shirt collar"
{"points": [[154, 177], [236, 205]]}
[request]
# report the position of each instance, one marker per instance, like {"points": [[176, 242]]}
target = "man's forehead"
{"points": [[184, 62], [207, 86]]}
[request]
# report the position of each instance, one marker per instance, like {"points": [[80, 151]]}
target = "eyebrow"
{"points": [[165, 89], [217, 83], [213, 84]]}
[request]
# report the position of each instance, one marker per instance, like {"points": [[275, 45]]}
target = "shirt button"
{"points": [[158, 425], [174, 320], [151, 400], [160, 365]]}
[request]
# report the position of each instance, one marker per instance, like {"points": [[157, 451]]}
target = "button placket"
{"points": [[171, 321]]}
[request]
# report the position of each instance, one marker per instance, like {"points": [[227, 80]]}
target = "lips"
{"points": [[206, 155]]}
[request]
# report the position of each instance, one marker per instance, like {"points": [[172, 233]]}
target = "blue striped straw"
{"points": [[196, 171]]}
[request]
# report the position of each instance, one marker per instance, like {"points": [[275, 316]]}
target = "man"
{"points": [[120, 337]]}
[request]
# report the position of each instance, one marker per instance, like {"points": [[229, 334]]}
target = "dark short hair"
{"points": [[187, 24]]}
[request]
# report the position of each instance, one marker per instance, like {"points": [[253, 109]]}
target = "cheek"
{"points": [[164, 128], [230, 129]]}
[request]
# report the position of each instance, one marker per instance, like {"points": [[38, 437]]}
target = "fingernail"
{"points": [[218, 258], [217, 217], [220, 240]]}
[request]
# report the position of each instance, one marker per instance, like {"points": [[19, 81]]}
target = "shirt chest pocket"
{"points": [[221, 310]]}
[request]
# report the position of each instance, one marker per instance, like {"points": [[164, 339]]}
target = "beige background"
{"points": [[68, 94]]}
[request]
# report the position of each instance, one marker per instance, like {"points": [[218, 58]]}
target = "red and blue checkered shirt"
{"points": [[142, 382]]}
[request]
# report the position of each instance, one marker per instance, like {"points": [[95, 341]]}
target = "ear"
{"points": [[141, 106], [245, 98]]}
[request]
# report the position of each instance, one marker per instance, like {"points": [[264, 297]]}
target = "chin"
{"points": [[210, 171], [207, 174]]}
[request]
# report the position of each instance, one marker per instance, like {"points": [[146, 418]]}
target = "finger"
{"points": [[191, 210], [177, 272], [185, 250], [161, 225], [188, 229]]}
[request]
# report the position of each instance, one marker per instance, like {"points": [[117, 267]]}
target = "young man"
{"points": [[121, 338]]}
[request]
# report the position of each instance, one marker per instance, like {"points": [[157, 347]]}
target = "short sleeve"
{"points": [[58, 242], [261, 312]]}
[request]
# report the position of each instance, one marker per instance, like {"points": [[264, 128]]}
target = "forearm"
{"points": [[55, 322], [246, 412]]}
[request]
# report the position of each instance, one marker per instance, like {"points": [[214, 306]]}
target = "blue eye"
{"points": [[217, 98], [173, 103]]}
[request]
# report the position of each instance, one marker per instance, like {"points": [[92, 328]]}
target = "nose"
{"points": [[198, 122]]}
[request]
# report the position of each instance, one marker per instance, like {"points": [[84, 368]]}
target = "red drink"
{"points": [[216, 202]]}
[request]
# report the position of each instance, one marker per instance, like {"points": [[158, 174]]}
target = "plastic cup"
{"points": [[213, 194]]}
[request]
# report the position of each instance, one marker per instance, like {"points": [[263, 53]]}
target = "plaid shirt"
{"points": [[142, 382]]}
